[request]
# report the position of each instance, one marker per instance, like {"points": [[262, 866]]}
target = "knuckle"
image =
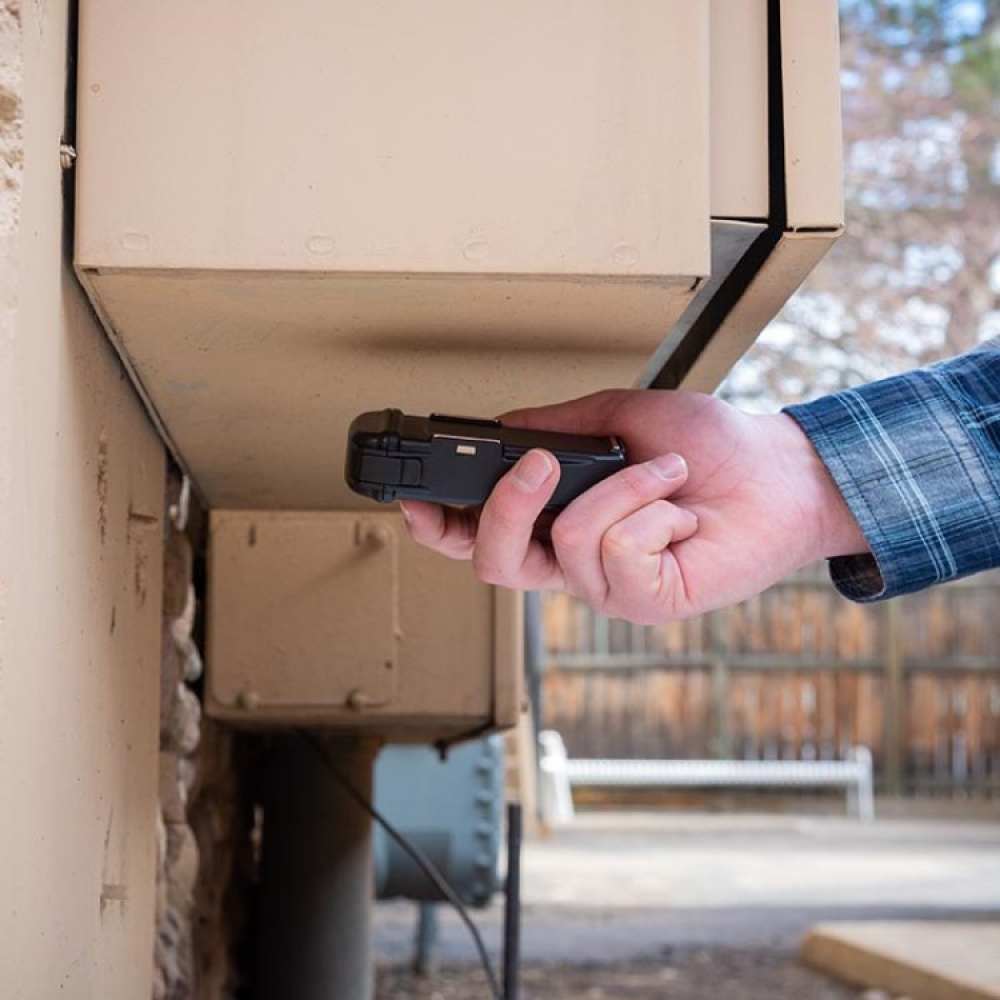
{"points": [[639, 609], [434, 536], [616, 607], [430, 530], [593, 595], [567, 534], [488, 572], [635, 480], [620, 542]]}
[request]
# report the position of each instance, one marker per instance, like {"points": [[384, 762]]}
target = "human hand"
{"points": [[715, 506]]}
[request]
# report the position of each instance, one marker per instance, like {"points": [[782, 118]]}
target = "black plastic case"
{"points": [[458, 460]]}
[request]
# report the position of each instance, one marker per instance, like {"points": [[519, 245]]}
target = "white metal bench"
{"points": [[560, 774]]}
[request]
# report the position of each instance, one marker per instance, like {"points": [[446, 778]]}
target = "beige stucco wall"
{"points": [[80, 581]]}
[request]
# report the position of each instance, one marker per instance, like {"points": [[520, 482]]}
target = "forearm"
{"points": [[916, 459]]}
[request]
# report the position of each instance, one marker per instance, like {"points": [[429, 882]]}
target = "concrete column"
{"points": [[314, 913]]}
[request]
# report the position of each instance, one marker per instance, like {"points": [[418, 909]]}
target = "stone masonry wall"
{"points": [[11, 123], [205, 858], [180, 735]]}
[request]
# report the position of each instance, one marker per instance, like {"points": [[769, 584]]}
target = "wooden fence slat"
{"points": [[795, 670]]}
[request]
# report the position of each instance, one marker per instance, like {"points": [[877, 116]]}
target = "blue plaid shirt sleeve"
{"points": [[917, 459]]}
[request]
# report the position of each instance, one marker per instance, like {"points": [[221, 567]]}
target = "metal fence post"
{"points": [[722, 743], [895, 695]]}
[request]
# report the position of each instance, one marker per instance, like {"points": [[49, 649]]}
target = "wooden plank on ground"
{"points": [[922, 960]]}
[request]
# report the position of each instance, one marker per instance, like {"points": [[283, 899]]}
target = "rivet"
{"points": [[249, 700], [320, 244], [625, 254], [476, 250], [376, 535], [135, 241]]}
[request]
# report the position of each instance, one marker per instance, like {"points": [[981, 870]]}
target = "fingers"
{"points": [[448, 530], [611, 546], [505, 552], [499, 538], [642, 574], [606, 511]]}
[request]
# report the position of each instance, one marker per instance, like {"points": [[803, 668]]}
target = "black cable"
{"points": [[423, 862], [512, 909]]}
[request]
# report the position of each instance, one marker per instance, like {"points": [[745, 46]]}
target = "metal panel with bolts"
{"points": [[340, 619], [304, 612]]}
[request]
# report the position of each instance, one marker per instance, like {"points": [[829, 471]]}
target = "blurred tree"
{"points": [[917, 274]]}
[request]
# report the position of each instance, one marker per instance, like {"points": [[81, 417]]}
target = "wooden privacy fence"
{"points": [[796, 672]]}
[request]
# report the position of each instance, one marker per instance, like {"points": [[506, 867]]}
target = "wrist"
{"points": [[828, 527]]}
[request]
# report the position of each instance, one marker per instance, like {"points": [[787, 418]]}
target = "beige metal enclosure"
{"points": [[289, 214], [341, 618], [336, 207], [293, 213]]}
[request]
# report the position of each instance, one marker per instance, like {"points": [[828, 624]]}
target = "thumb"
{"points": [[593, 414]]}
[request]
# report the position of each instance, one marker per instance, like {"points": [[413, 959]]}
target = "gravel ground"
{"points": [[679, 975]]}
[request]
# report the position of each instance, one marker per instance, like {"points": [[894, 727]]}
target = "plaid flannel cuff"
{"points": [[917, 459]]}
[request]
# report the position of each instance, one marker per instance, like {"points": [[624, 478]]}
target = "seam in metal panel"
{"points": [[736, 283]]}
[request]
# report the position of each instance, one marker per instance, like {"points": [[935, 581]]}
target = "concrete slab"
{"points": [[619, 886], [697, 860], [925, 960]]}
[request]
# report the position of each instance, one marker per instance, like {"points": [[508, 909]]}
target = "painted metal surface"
{"points": [[335, 208], [463, 138], [788, 265], [738, 107], [305, 613], [378, 212], [257, 377], [305, 622], [452, 809], [814, 154], [786, 54]]}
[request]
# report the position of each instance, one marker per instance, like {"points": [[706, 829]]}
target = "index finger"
{"points": [[448, 530]]}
